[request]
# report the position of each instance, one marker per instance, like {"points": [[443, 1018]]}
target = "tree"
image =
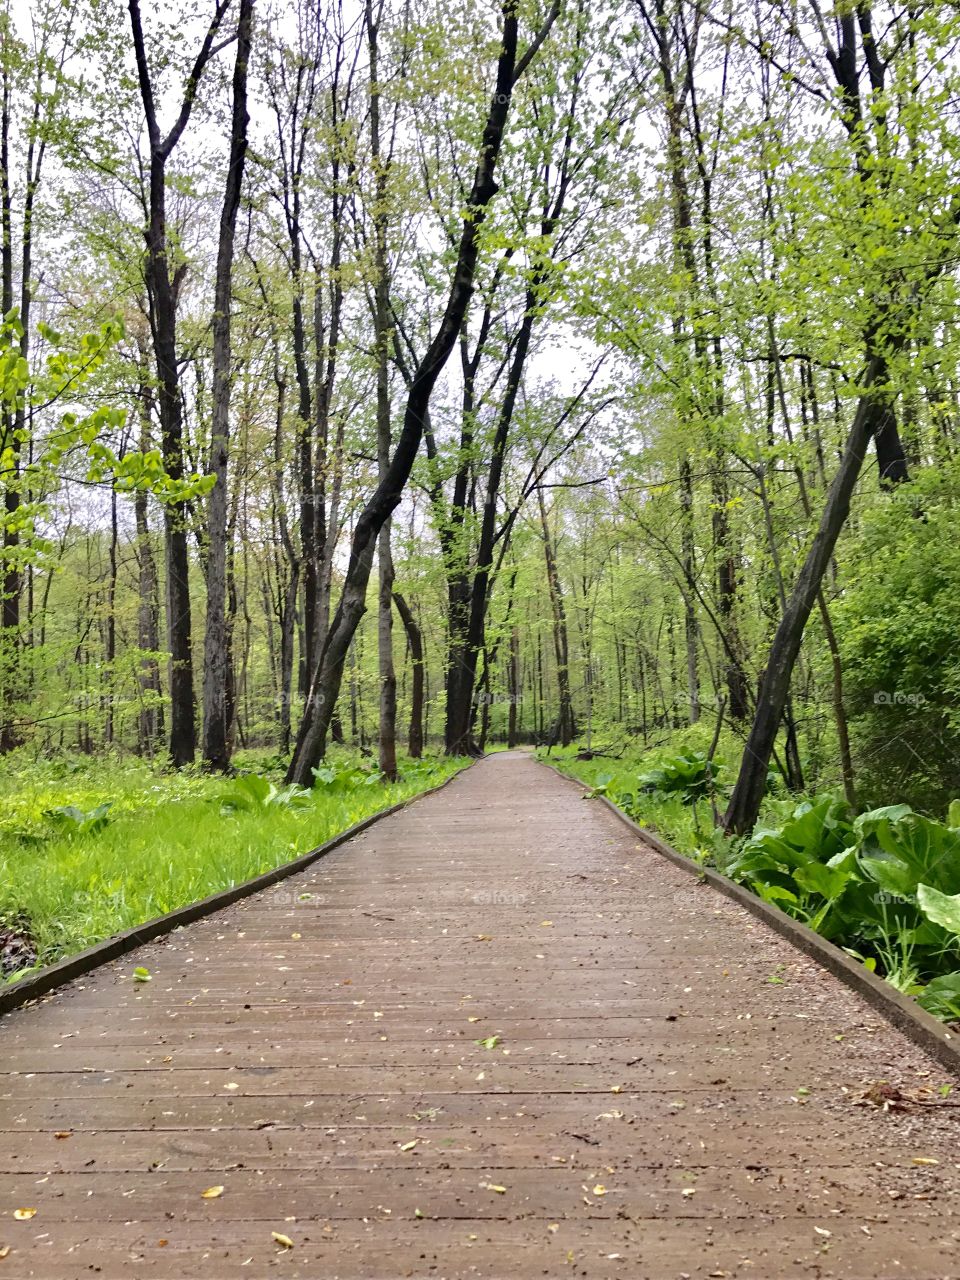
{"points": [[164, 276], [327, 676], [217, 675]]}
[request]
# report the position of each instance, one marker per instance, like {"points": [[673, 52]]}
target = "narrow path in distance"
{"points": [[490, 1036]]}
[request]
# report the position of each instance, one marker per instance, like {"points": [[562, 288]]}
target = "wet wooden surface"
{"points": [[491, 1036]]}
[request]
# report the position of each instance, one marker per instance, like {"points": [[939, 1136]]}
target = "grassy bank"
{"points": [[88, 848]]}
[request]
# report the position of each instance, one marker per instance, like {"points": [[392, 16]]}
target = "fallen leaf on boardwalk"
{"points": [[553, 1228], [482, 1075], [162, 1244], [689, 1191], [4, 1251], [490, 1042], [546, 924], [418, 1213], [599, 1189], [231, 1085], [284, 1241], [822, 1231], [925, 1160], [24, 1215], [492, 1186], [63, 1133], [212, 1193], [616, 1088], [140, 974], [610, 1115], [296, 936], [408, 1146], [473, 1019]]}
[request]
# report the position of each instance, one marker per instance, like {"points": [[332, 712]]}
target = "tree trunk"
{"points": [[565, 730], [513, 685], [110, 626], [690, 629], [217, 657], [415, 641], [150, 719], [381, 324], [744, 806], [163, 290]]}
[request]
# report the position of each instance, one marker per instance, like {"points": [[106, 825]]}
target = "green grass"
{"points": [[168, 841]]}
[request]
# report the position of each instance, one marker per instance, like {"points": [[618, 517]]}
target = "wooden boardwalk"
{"points": [[491, 1036]]}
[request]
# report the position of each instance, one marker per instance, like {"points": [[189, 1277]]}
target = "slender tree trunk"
{"points": [[163, 290], [9, 577], [744, 806], [217, 656], [691, 632], [415, 641], [513, 686], [11, 440], [566, 727], [150, 720], [381, 323], [110, 625]]}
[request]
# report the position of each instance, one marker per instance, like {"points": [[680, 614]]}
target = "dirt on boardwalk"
{"points": [[491, 1036]]}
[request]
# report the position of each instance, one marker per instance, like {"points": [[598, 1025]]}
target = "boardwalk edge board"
{"points": [[64, 971], [899, 1010]]}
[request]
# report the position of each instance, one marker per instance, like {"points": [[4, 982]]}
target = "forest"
{"points": [[388, 382]]}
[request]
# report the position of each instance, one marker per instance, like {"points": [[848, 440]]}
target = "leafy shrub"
{"points": [[252, 793], [70, 820], [691, 775], [897, 623], [884, 885]]}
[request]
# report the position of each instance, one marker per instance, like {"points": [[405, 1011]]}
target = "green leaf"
{"points": [[941, 908]]}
